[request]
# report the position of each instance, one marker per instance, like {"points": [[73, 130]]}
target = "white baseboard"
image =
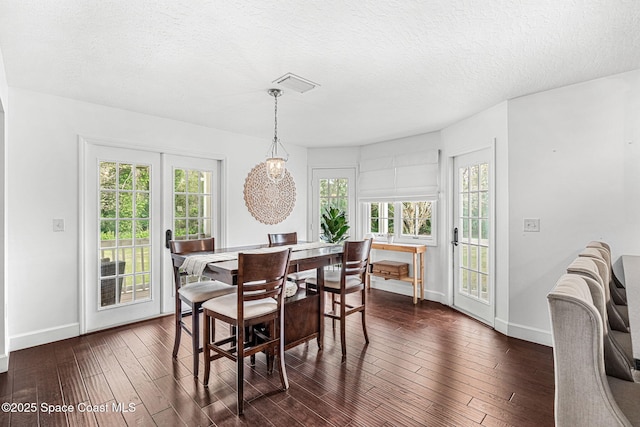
{"points": [[44, 336], [4, 363], [404, 288], [528, 333]]}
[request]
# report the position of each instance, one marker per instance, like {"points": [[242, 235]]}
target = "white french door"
{"points": [[122, 226], [190, 208], [336, 188], [130, 198], [472, 235]]}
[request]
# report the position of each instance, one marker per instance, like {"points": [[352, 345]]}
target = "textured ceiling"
{"points": [[387, 69]]}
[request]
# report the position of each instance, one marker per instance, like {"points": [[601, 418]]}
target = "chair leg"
{"points": [[240, 369], [207, 335], [364, 324], [343, 328], [178, 324], [333, 309], [280, 350], [195, 337]]}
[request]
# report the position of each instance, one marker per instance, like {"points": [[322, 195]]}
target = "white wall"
{"points": [[43, 184], [574, 162], [4, 342], [472, 134]]}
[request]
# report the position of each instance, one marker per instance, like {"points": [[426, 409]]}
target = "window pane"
{"points": [[192, 206], [464, 252], [107, 232], [484, 260], [107, 204], [193, 181], [473, 199], [142, 178], [125, 205], [142, 205], [484, 204], [464, 199], [375, 228], [464, 178], [107, 175], [475, 232], [125, 229], [473, 258], [180, 206], [180, 180], [142, 232], [474, 178], [473, 283], [180, 229], [464, 280], [484, 176], [125, 178]]}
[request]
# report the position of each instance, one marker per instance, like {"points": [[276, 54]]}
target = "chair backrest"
{"points": [[593, 268], [182, 247], [604, 267], [616, 363], [355, 259], [262, 275], [582, 393], [279, 239]]}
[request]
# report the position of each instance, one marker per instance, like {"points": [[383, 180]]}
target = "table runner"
{"points": [[195, 264]]}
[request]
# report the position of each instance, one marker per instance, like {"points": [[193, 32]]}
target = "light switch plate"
{"points": [[531, 225]]}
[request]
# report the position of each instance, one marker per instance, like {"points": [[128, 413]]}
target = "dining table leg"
{"points": [[320, 282]]}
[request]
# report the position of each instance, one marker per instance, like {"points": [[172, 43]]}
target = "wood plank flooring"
{"points": [[426, 365]]}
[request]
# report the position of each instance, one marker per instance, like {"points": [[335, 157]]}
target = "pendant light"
{"points": [[275, 160]]}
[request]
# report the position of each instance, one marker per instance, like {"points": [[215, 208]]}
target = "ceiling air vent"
{"points": [[295, 83]]}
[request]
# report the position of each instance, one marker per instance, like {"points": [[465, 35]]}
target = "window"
{"points": [[404, 221]]}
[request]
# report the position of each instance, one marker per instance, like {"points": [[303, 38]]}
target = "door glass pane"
{"points": [[124, 244], [334, 192], [474, 225], [192, 198]]}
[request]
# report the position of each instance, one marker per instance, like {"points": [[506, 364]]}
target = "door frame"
{"points": [[83, 142], [451, 223], [354, 214]]}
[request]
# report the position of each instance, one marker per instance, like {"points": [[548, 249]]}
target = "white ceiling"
{"points": [[387, 69]]}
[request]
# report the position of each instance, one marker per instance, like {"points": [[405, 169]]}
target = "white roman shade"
{"points": [[402, 176]]}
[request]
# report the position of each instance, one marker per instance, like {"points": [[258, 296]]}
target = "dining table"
{"points": [[304, 311], [631, 271]]}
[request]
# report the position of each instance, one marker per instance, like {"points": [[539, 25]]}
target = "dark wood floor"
{"points": [[426, 365]]}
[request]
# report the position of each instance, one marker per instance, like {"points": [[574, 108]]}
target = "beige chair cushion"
{"points": [[301, 275], [332, 280], [227, 305], [201, 291]]}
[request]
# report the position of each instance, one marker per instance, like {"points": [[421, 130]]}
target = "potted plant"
{"points": [[334, 225]]}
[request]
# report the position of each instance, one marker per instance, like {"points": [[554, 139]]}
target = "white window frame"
{"points": [[383, 235]]}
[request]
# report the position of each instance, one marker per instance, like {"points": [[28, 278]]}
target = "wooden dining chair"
{"points": [[193, 294], [350, 279], [281, 239], [259, 301]]}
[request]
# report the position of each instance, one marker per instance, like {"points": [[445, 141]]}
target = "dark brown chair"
{"points": [[193, 294], [350, 279], [281, 239], [259, 301]]}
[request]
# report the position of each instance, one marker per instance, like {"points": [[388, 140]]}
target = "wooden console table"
{"points": [[418, 268]]}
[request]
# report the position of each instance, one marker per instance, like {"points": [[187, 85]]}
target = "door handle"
{"points": [[454, 242], [168, 236]]}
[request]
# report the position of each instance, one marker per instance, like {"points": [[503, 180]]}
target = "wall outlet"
{"points": [[58, 224], [531, 225]]}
